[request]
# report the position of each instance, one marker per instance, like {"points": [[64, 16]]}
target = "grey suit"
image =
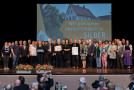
{"points": [[119, 58]]}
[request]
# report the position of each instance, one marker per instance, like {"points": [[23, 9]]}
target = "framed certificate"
{"points": [[58, 48], [74, 50]]}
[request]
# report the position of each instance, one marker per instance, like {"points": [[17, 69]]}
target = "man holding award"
{"points": [[75, 54], [58, 50]]}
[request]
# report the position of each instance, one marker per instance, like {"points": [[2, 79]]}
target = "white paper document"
{"points": [[74, 50]]}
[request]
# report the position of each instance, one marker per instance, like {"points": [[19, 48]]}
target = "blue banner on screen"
{"points": [[74, 21]]}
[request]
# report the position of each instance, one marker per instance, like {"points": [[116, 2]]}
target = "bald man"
{"points": [[17, 85]]}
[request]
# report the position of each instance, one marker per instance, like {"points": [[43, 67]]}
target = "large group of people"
{"points": [[89, 53], [44, 82]]}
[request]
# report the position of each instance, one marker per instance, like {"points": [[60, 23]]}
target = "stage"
{"points": [[71, 71]]}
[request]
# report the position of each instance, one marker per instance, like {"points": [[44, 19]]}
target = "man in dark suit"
{"points": [[70, 43], [90, 54], [24, 53], [59, 59], [41, 53], [23, 86], [50, 50], [75, 58]]}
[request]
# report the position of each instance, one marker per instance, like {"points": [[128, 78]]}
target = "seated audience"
{"points": [[111, 86], [46, 82], [82, 84], [34, 86], [7, 87], [102, 83], [131, 85], [17, 85], [107, 81], [23, 85]]}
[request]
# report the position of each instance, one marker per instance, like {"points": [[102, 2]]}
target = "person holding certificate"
{"points": [[75, 54], [58, 49], [66, 51], [83, 54]]}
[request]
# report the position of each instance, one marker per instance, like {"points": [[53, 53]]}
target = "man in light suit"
{"points": [[120, 53]]}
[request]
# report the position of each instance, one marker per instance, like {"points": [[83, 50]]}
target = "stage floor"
{"points": [[71, 71]]}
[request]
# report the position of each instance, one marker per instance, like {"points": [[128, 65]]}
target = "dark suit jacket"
{"points": [[24, 52], [17, 88], [52, 48], [49, 84], [24, 87], [66, 47], [90, 49]]}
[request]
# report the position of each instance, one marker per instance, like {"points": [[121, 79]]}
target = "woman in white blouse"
{"points": [[33, 53]]}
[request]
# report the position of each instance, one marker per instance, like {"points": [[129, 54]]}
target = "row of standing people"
{"points": [[96, 54]]}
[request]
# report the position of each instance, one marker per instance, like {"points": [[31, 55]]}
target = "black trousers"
{"points": [[6, 61], [67, 60], [10, 63], [80, 62], [54, 60], [94, 62], [24, 60], [71, 60], [49, 59], [75, 59], [108, 61], [33, 60], [40, 57], [59, 60], [90, 61], [120, 62], [112, 63]]}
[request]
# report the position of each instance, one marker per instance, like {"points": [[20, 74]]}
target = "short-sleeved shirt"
{"points": [[16, 50]]}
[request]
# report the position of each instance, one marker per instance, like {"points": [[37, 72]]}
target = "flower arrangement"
{"points": [[44, 67], [24, 67]]}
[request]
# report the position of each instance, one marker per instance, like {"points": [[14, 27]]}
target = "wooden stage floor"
{"points": [[71, 71]]}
